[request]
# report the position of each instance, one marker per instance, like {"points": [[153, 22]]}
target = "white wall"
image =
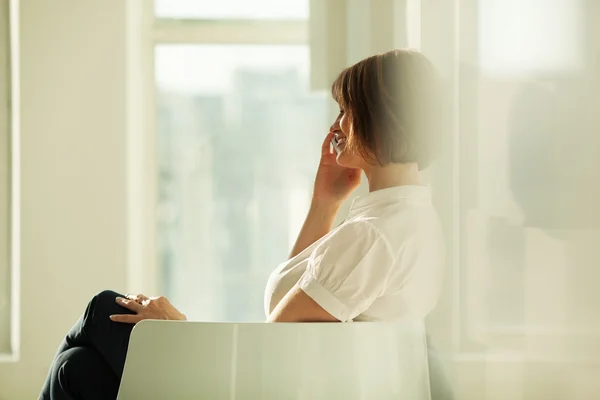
{"points": [[73, 173]]}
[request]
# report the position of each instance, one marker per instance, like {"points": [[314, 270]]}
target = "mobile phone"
{"points": [[338, 144]]}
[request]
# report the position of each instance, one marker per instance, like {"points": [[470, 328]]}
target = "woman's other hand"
{"points": [[146, 308], [333, 183]]}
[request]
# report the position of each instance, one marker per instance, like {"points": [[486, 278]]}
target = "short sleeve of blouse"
{"points": [[348, 271]]}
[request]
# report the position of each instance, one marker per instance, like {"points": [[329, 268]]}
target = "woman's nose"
{"points": [[335, 126]]}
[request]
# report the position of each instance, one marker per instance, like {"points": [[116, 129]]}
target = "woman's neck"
{"points": [[383, 177]]}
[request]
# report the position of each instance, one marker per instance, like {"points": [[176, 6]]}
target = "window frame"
{"points": [[9, 15], [229, 31]]}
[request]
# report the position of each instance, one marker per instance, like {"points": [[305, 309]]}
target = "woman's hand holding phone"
{"points": [[333, 183]]}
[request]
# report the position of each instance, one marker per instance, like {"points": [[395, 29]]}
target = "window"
{"points": [[238, 135]]}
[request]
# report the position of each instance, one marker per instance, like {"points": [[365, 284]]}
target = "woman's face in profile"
{"points": [[342, 128]]}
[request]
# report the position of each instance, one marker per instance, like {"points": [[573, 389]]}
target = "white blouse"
{"points": [[384, 263]]}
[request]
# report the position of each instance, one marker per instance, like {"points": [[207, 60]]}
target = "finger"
{"points": [[326, 147], [140, 298], [131, 296], [126, 318], [129, 304]]}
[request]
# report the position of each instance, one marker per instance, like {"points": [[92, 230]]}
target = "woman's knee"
{"points": [[101, 307], [106, 297]]}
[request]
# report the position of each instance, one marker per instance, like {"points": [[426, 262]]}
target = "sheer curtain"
{"points": [[523, 80]]}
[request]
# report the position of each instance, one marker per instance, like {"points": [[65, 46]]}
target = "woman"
{"points": [[384, 263]]}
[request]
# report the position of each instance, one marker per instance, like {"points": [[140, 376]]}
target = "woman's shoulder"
{"points": [[400, 227], [360, 232]]}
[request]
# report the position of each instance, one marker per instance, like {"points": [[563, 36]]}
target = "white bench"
{"points": [[197, 360]]}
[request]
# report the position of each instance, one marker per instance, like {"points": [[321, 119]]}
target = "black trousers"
{"points": [[90, 360]]}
